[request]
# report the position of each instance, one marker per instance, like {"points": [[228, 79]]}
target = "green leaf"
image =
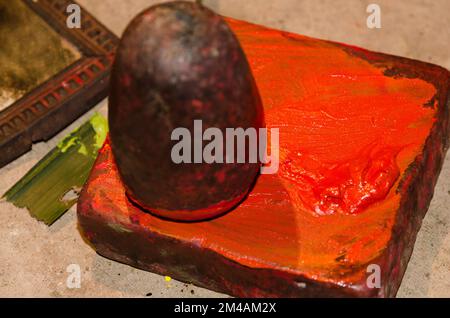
{"points": [[52, 186]]}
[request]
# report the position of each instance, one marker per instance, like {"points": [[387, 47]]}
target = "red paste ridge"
{"points": [[346, 187]]}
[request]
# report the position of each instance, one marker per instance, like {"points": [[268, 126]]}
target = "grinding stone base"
{"points": [[255, 250]]}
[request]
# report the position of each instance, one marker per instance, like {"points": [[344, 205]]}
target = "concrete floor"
{"points": [[34, 258]]}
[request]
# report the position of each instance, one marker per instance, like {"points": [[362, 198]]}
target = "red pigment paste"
{"points": [[347, 131], [346, 187]]}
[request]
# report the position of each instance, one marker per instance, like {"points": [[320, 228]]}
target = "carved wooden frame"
{"points": [[50, 107]]}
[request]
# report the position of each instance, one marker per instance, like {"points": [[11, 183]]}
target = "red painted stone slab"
{"points": [[363, 136]]}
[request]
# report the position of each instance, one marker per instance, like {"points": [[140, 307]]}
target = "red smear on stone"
{"points": [[347, 188]]}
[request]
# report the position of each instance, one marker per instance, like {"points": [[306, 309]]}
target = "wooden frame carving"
{"points": [[50, 107]]}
